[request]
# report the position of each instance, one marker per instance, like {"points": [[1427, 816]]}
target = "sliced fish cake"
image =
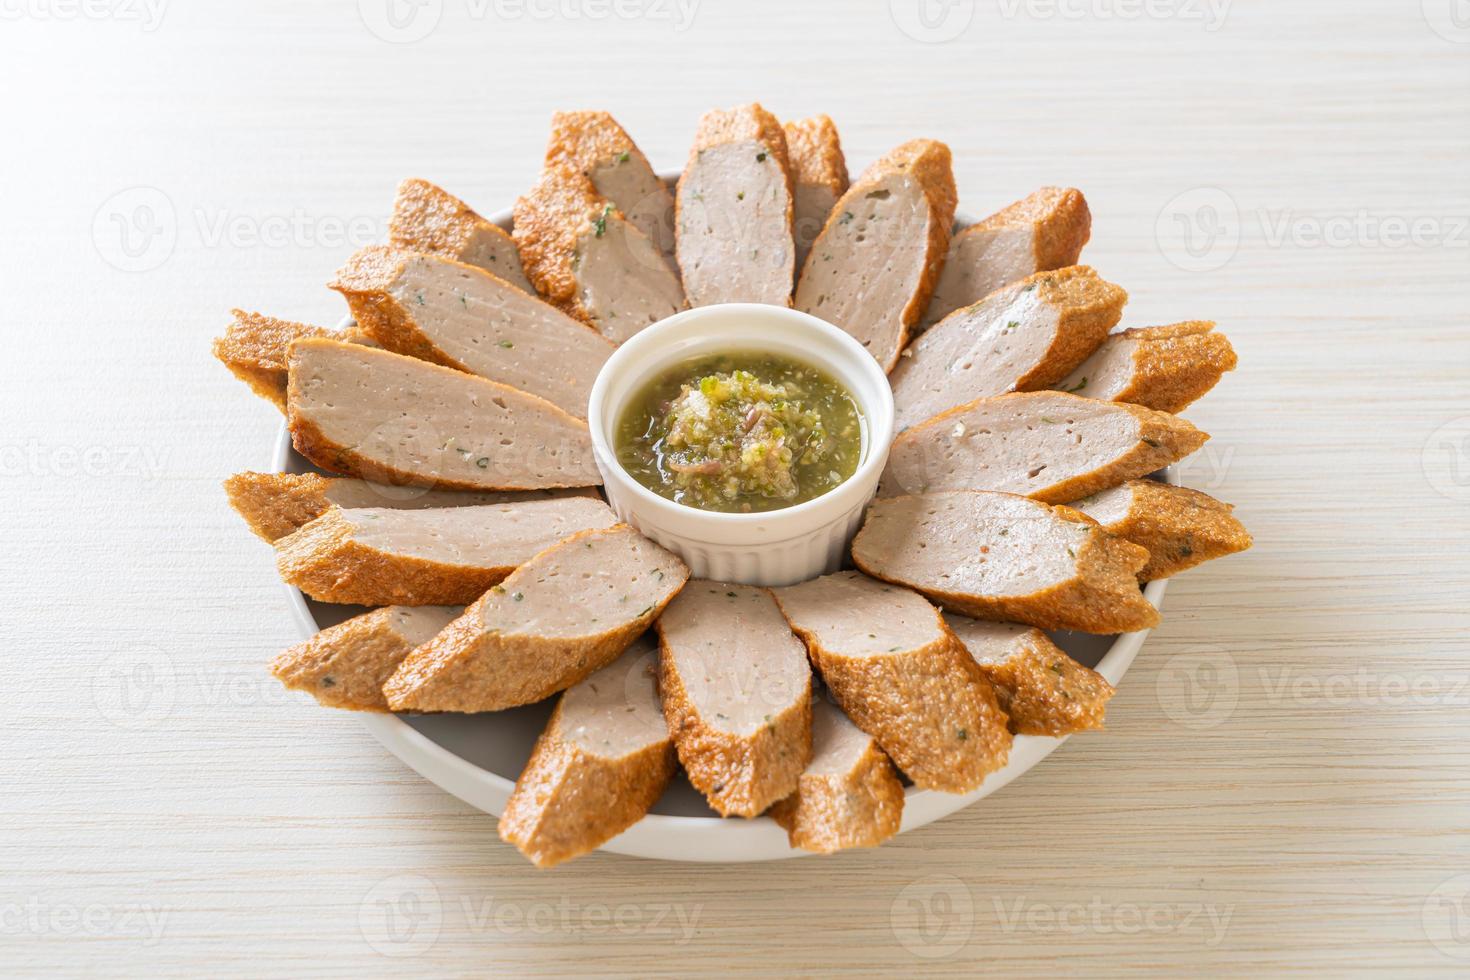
{"points": [[819, 176], [1000, 557], [1180, 527], [736, 690], [1046, 445], [276, 504], [394, 419], [592, 143], [849, 795], [1024, 337], [734, 211], [377, 556], [428, 219], [873, 268], [462, 317], [255, 348], [586, 257], [1165, 368], [1043, 231], [344, 666], [603, 760], [565, 613], [901, 676], [1044, 691]]}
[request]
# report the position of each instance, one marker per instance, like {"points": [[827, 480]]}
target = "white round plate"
{"points": [[478, 757]]}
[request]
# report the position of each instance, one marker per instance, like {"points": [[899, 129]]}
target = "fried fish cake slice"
{"points": [[603, 760], [849, 795], [901, 676], [1044, 691], [1180, 527]]}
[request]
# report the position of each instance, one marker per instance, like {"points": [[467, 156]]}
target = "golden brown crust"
{"points": [[568, 801], [1044, 691], [323, 560], [1103, 597], [1089, 307], [859, 808], [308, 439], [254, 349], [744, 122], [549, 221], [1086, 308], [1060, 217], [1162, 439], [585, 139], [1173, 367], [814, 152], [367, 280], [427, 218], [369, 270], [1043, 231], [277, 504], [1180, 528], [1166, 331], [1049, 695], [468, 667], [930, 708], [457, 670], [595, 145], [738, 775], [344, 666], [928, 162]]}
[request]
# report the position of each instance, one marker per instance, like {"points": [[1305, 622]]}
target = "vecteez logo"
{"points": [[401, 916], [1446, 460], [1446, 917], [400, 21], [1209, 14], [407, 21], [135, 230], [1199, 230], [1199, 688], [135, 689], [147, 14], [932, 21], [1450, 19], [933, 917]]}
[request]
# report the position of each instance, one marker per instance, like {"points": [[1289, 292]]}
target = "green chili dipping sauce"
{"points": [[740, 433]]}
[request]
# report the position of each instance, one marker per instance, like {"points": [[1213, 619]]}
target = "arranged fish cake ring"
{"points": [[678, 827]]}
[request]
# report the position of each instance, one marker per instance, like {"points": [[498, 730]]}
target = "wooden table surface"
{"points": [[1284, 785]]}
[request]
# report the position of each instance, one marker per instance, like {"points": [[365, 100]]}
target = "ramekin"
{"points": [[778, 547]]}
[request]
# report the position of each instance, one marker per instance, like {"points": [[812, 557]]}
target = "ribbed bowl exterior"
{"points": [[770, 563]]}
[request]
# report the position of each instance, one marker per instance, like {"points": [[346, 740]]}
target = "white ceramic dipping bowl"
{"points": [[778, 547]]}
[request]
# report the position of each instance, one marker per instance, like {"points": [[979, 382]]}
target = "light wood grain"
{"points": [[196, 820]]}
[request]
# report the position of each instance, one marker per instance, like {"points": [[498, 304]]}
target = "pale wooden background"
{"points": [[1285, 782]]}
